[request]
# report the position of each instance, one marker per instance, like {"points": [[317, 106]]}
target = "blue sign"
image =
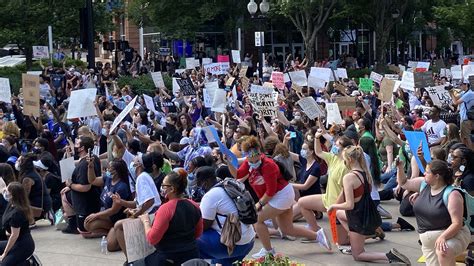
{"points": [[414, 139]]}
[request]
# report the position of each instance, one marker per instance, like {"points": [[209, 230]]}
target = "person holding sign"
{"points": [[176, 226]]}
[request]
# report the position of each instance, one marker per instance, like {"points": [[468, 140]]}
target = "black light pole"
{"points": [[90, 35], [252, 7], [395, 16]]}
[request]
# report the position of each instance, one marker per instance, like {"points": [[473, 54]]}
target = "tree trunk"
{"points": [[29, 57], [310, 51], [381, 50]]}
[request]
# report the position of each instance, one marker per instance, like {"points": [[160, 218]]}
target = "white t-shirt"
{"points": [[216, 201], [127, 157], [45, 90], [434, 131], [146, 189]]}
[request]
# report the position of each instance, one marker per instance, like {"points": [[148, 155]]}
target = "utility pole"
{"points": [[90, 35]]}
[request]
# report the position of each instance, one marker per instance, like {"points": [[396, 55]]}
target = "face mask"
{"points": [[335, 150], [197, 194], [297, 117], [107, 173], [104, 132], [36, 150], [462, 168], [133, 170], [17, 165], [450, 159], [169, 125], [255, 165], [163, 193], [304, 153], [6, 195], [357, 127]]}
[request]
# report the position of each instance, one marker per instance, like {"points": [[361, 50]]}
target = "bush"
{"points": [[143, 84], [358, 73]]}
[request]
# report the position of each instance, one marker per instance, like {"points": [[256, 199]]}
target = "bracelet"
{"points": [[261, 203]]}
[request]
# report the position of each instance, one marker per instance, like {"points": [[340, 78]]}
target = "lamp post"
{"points": [[252, 7], [395, 15], [140, 31]]}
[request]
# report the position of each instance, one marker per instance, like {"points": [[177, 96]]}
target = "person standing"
{"points": [[464, 102]]}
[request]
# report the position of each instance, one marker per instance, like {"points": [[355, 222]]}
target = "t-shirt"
{"points": [[304, 174], [15, 218], [216, 204], [109, 189], [467, 99], [146, 190], [336, 171], [85, 203], [434, 130], [128, 157], [44, 91], [383, 149]]}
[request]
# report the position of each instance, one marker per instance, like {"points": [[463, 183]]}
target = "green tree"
{"points": [[456, 16], [308, 16]]}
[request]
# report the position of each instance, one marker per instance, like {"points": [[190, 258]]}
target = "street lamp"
{"points": [[395, 15], [252, 7]]}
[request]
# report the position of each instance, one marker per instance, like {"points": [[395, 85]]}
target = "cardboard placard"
{"points": [[219, 100], [392, 76], [5, 91], [245, 83], [186, 86], [408, 82], [149, 102], [81, 103], [223, 59], [365, 84], [264, 103], [310, 108], [394, 69], [158, 79], [31, 95], [135, 240], [341, 73], [299, 78], [376, 77], [67, 167], [423, 79], [40, 52], [243, 71], [456, 72], [278, 80], [321, 73], [208, 93], [236, 56], [123, 114], [439, 96], [346, 105], [217, 68], [190, 63], [386, 90], [333, 114], [206, 61], [467, 70], [316, 83], [230, 81]]}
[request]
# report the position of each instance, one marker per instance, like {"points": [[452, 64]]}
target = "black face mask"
{"points": [[169, 125]]}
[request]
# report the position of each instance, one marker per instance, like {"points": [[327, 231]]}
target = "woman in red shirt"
{"points": [[177, 224], [276, 197]]}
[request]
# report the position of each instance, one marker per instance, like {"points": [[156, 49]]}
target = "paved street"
{"points": [[55, 248]]}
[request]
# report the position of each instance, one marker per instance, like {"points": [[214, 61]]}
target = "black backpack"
{"points": [[284, 171], [242, 199]]}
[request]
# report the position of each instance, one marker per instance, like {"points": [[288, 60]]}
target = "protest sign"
{"points": [[414, 138], [223, 148], [391, 76], [439, 95], [412, 64], [67, 167], [186, 86], [268, 85], [394, 68], [437, 65], [408, 82], [208, 93], [278, 80], [365, 84], [423, 79], [5, 92], [243, 71], [333, 114], [321, 73], [31, 102], [40, 52], [423, 66], [310, 107], [341, 73], [179, 71], [149, 102], [261, 89], [190, 63], [376, 77], [230, 81], [445, 72], [456, 72], [402, 68], [264, 103], [299, 78], [386, 90], [245, 83], [206, 61], [223, 59], [123, 114], [81, 103], [467, 70], [135, 240], [217, 68], [346, 105], [316, 83], [175, 86], [219, 101], [236, 56], [158, 79]]}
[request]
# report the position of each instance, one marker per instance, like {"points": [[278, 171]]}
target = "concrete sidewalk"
{"points": [[56, 248]]}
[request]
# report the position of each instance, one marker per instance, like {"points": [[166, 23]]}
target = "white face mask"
{"points": [[17, 165], [6, 195]]}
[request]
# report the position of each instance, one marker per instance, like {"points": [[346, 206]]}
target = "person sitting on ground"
{"points": [[176, 225]]}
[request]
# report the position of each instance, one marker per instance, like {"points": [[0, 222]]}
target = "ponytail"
{"points": [[356, 153]]}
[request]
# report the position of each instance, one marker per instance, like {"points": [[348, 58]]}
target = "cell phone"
{"points": [[292, 134]]}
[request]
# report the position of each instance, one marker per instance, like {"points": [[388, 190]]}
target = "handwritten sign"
{"points": [[81, 103], [40, 52], [219, 101], [135, 240], [386, 90], [31, 104], [456, 72], [243, 71], [264, 103], [316, 83], [376, 77], [278, 80], [321, 73], [223, 59], [217, 68], [423, 79], [333, 114], [391, 76], [236, 56], [467, 70], [208, 93], [186, 86], [190, 63], [439, 96], [5, 91], [230, 81], [206, 61], [299, 78], [365, 84], [123, 114], [341, 73], [245, 83], [158, 79], [149, 102], [310, 107]]}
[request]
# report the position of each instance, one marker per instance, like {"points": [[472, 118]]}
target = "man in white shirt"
{"points": [[215, 206], [434, 128]]}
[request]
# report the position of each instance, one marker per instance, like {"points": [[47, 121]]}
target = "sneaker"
{"points": [[262, 253], [346, 250], [394, 256], [307, 240], [322, 239], [404, 225], [383, 212]]}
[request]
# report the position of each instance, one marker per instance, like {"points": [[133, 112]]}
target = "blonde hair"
{"points": [[11, 129], [356, 154]]}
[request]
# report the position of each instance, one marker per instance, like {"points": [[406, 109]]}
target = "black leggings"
{"points": [[21, 250], [170, 259]]}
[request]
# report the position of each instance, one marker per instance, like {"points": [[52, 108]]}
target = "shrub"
{"points": [[143, 84]]}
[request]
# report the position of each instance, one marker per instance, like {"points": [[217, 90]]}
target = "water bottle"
{"points": [[103, 245]]}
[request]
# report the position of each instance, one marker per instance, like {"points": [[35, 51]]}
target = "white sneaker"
{"points": [[262, 253], [323, 240]]}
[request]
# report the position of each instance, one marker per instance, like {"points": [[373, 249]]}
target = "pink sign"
{"points": [[223, 58], [278, 80]]}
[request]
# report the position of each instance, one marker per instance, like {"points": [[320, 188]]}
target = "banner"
{"points": [[123, 114], [321, 73], [223, 59], [333, 114], [135, 240], [40, 52], [81, 103], [439, 96], [217, 68], [158, 79], [149, 102], [278, 80], [236, 57], [408, 82], [299, 78], [386, 90], [366, 84], [31, 102], [376, 77], [264, 103], [5, 92], [186, 86], [423, 79], [310, 108]]}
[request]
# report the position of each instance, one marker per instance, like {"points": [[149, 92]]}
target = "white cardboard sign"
{"points": [[236, 56], [40, 52], [135, 240], [341, 73], [321, 73], [310, 107], [439, 95], [190, 63], [123, 114], [209, 92], [81, 103], [219, 101], [376, 77], [333, 114], [5, 92], [158, 79], [408, 81], [299, 78], [67, 167], [150, 104]]}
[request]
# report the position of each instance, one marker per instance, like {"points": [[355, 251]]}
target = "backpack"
{"points": [[468, 203], [285, 173], [242, 199]]}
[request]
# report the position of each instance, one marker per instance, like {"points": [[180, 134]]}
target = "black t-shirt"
{"points": [[53, 183], [85, 203], [14, 217], [303, 175], [468, 182]]}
